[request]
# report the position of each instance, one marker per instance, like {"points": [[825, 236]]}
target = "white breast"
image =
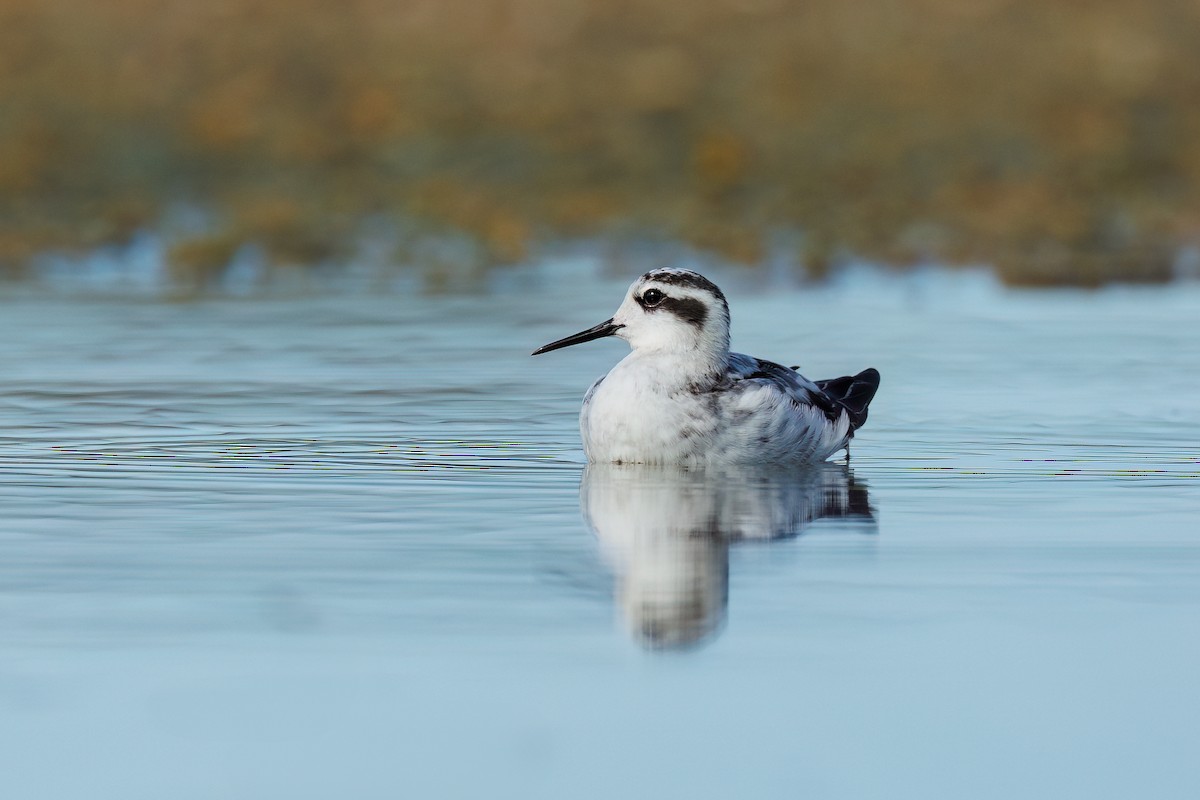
{"points": [[631, 415]]}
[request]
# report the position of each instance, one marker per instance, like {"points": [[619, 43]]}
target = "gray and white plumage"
{"points": [[681, 396]]}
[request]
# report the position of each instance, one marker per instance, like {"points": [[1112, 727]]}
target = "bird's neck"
{"points": [[676, 370]]}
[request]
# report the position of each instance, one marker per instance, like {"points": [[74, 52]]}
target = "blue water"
{"points": [[345, 546]]}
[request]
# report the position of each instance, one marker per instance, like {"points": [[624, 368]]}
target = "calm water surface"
{"points": [[347, 547]]}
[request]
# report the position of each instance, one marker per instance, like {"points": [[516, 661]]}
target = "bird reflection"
{"points": [[667, 533]]}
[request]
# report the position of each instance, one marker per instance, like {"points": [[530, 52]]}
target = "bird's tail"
{"points": [[854, 393]]}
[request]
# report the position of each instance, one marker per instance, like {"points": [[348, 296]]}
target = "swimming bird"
{"points": [[681, 396]]}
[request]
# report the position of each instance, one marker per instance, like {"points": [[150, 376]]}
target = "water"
{"points": [[334, 547]]}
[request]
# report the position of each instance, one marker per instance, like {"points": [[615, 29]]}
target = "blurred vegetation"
{"points": [[1058, 141]]}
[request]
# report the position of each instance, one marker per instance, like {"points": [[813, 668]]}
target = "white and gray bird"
{"points": [[681, 397]]}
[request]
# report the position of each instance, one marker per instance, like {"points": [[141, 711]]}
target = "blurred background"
{"points": [[289, 511], [1056, 142]]}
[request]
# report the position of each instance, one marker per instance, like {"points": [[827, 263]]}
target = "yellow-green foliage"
{"points": [[1058, 140]]}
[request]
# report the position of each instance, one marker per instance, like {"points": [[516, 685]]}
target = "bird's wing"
{"points": [[785, 380], [854, 393]]}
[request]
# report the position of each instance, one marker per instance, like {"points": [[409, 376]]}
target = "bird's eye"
{"points": [[652, 297]]}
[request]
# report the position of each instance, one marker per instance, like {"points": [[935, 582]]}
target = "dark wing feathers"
{"points": [[853, 393], [789, 377]]}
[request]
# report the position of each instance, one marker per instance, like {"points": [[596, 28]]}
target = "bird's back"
{"points": [[775, 414]]}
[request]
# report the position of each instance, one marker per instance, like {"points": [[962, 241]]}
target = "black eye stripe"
{"points": [[689, 280], [694, 312]]}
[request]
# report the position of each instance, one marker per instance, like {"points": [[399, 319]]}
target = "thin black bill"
{"points": [[606, 328]]}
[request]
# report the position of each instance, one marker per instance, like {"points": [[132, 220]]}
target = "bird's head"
{"points": [[666, 310]]}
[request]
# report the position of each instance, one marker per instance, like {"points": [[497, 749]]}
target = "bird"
{"points": [[681, 397]]}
